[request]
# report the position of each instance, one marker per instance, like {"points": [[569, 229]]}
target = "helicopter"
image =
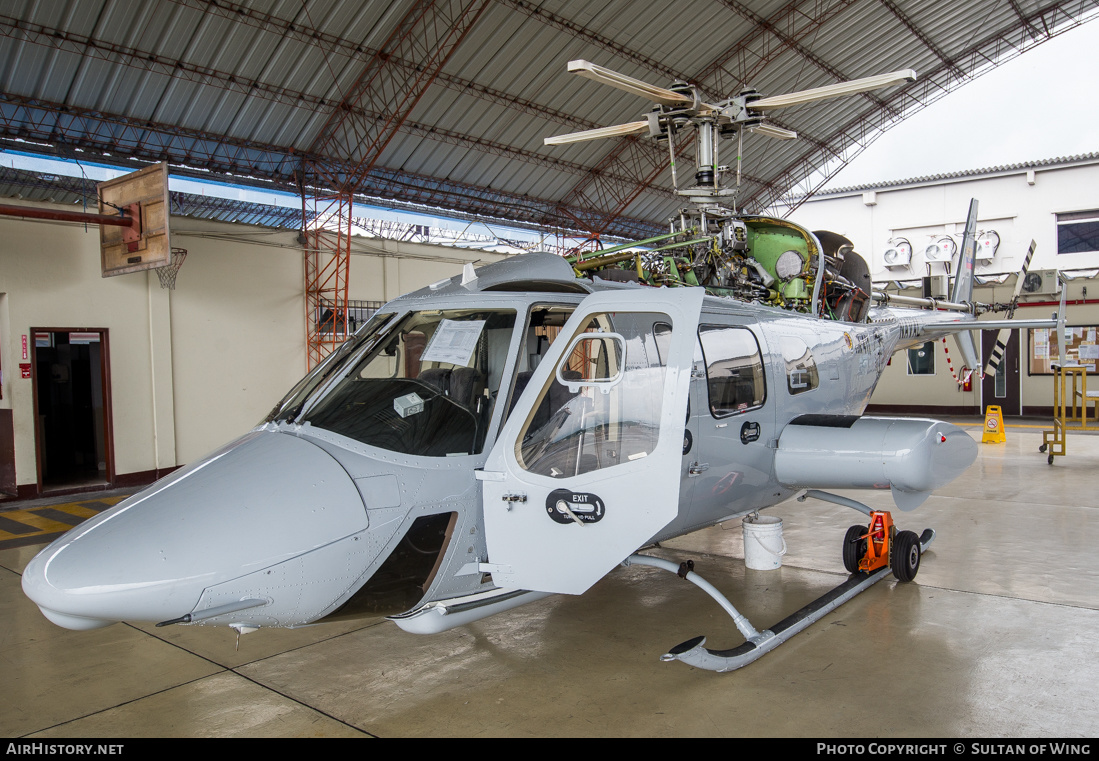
{"points": [[524, 428]]}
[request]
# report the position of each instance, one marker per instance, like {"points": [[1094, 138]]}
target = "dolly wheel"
{"points": [[904, 556], [1042, 449], [1050, 459], [854, 548]]}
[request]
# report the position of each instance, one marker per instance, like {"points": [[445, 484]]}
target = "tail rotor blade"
{"points": [[1022, 278], [1002, 338], [998, 350]]}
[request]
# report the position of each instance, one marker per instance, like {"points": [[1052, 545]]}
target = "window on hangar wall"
{"points": [[1078, 232], [921, 359]]}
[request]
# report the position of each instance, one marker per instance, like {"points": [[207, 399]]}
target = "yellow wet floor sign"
{"points": [[994, 426]]}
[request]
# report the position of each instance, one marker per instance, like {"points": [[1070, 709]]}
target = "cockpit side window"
{"points": [[734, 369]]}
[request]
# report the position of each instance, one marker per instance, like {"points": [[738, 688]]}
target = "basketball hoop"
{"points": [[167, 273]]}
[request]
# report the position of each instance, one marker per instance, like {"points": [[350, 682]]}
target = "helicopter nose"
{"points": [[260, 501]]}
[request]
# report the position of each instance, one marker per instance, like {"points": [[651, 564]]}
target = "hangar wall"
{"points": [[1021, 202], [192, 368]]}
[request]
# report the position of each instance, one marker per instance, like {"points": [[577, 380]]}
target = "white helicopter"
{"points": [[520, 430]]}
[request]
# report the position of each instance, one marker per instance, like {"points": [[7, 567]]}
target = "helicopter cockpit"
{"points": [[427, 387]]}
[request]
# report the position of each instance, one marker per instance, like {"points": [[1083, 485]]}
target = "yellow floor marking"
{"points": [[37, 521], [76, 509]]}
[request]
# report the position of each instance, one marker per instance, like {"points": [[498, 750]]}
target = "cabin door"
{"points": [[587, 467]]}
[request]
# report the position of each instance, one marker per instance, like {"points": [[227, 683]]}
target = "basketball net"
{"points": [[167, 273]]}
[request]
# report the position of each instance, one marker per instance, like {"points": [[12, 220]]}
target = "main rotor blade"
{"points": [[607, 76], [599, 132], [838, 90], [770, 130]]}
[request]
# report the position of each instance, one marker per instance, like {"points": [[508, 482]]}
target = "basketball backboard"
{"points": [[142, 196]]}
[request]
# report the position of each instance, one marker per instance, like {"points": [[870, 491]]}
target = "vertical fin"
{"points": [[963, 281], [963, 286]]}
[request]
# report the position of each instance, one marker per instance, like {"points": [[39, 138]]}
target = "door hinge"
{"points": [[511, 499], [489, 475]]}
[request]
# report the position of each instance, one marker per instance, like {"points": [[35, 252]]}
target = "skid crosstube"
{"points": [[694, 653]]}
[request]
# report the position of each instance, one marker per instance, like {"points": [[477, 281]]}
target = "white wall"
{"points": [[1007, 202], [191, 368], [1020, 204], [51, 275]]}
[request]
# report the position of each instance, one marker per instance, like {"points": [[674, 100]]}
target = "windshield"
{"points": [[292, 403], [427, 388]]}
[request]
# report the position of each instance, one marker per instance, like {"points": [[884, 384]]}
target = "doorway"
{"points": [[72, 408], [1002, 389]]}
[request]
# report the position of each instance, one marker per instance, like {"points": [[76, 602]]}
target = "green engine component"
{"points": [[768, 244], [795, 289]]}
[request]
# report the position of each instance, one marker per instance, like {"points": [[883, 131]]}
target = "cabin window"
{"points": [[801, 370], [543, 326], [734, 369], [601, 405]]}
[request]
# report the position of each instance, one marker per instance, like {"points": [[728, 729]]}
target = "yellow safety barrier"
{"points": [[994, 426]]}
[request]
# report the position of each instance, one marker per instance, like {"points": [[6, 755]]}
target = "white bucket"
{"points": [[763, 542]]}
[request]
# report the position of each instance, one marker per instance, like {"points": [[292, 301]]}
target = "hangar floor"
{"points": [[996, 637]]}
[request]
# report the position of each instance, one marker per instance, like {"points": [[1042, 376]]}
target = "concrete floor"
{"points": [[997, 637]]}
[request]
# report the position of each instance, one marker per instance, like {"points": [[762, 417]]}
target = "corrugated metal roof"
{"points": [[262, 90], [61, 189], [965, 174]]}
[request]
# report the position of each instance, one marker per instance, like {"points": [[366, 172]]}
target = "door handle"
{"points": [[697, 468]]}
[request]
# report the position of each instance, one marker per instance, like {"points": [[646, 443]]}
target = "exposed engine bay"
{"points": [[753, 259]]}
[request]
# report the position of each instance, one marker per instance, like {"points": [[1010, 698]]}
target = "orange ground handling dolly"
{"points": [[867, 549]]}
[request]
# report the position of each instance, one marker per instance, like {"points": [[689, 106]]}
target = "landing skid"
{"points": [[693, 652]]}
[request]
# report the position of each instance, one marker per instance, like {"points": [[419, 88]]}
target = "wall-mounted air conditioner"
{"points": [[1042, 282], [898, 253], [942, 249], [987, 243]]}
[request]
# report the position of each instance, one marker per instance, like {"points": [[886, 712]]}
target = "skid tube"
{"points": [[694, 653]]}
